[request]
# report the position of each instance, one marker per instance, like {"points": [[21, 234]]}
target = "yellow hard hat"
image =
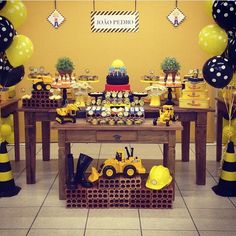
{"points": [[158, 178]]}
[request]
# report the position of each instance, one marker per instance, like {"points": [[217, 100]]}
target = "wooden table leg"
{"points": [[165, 154], [185, 141], [30, 147], [46, 140], [171, 157], [16, 135], [200, 147], [62, 163], [219, 126]]}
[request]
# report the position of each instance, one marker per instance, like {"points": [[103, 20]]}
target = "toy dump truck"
{"points": [[166, 116], [67, 114], [127, 166]]}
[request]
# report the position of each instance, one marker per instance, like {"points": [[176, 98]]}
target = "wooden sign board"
{"points": [[114, 21]]}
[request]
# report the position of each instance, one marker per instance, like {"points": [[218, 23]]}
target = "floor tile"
{"points": [[205, 199], [217, 233], [90, 149], [52, 199], [57, 232], [13, 232], [214, 219], [60, 218], [169, 233], [11, 152], [166, 219], [114, 232], [147, 150], [113, 219], [17, 218]]}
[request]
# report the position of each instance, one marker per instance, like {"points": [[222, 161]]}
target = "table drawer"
{"points": [[118, 136]]}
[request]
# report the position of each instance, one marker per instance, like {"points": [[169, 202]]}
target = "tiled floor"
{"points": [[36, 210]]}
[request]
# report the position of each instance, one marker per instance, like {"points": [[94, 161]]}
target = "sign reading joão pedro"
{"points": [[114, 21]]}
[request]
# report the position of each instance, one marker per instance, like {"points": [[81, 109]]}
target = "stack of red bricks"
{"points": [[40, 99], [120, 193]]}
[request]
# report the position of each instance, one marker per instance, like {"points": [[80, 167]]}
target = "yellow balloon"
{"points": [[229, 132], [5, 130], [15, 11], [20, 50], [117, 63], [8, 120], [10, 139], [208, 7], [224, 138], [213, 39]]}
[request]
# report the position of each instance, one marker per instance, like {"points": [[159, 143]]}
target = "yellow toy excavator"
{"points": [[129, 166], [66, 114], [166, 116]]}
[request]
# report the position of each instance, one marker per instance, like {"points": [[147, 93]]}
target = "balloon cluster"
{"points": [[219, 40], [7, 129], [229, 131], [15, 49]]}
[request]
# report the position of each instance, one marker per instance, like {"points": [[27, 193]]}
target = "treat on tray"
{"points": [[170, 80], [117, 79], [194, 76]]}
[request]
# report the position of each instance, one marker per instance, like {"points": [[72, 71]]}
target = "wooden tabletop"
{"points": [[81, 124], [6, 103]]}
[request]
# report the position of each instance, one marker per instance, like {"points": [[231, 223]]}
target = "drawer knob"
{"points": [[117, 137]]}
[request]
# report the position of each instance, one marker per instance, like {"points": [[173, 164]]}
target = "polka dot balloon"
{"points": [[232, 51], [7, 33], [20, 50], [217, 72], [15, 11], [12, 77], [224, 14], [213, 39], [2, 4]]}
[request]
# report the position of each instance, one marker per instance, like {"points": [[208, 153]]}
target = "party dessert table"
{"points": [[83, 132], [11, 107], [186, 116]]}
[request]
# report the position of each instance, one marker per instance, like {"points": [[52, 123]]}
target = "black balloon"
{"points": [[232, 51], [224, 15], [6, 32], [2, 4], [12, 77], [218, 72]]}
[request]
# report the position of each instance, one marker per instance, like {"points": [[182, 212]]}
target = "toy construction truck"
{"points": [[41, 80], [166, 116], [128, 166], [67, 114]]}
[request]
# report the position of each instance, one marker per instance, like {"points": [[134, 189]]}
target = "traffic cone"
{"points": [[7, 183], [227, 183]]}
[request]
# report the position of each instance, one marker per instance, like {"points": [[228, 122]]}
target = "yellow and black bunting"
{"points": [[227, 182], [7, 183]]}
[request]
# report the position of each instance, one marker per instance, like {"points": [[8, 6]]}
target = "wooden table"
{"points": [[11, 107], [199, 116], [31, 116], [82, 132], [221, 112]]}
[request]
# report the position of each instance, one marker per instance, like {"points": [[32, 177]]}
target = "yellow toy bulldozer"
{"points": [[129, 166], [166, 116], [66, 114]]}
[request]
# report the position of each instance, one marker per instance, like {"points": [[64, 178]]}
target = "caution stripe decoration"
{"points": [[228, 176], [6, 176], [114, 21]]}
